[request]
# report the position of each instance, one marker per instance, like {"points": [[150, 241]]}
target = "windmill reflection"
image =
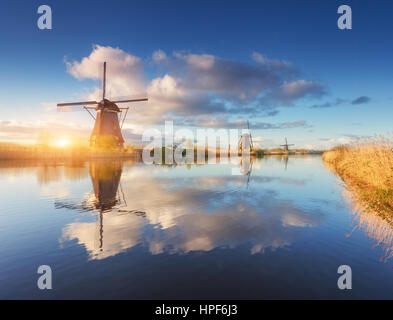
{"points": [[105, 177], [108, 194], [285, 158], [246, 167]]}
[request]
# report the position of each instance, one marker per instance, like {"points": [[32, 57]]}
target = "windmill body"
{"points": [[108, 123], [286, 145], [245, 144]]}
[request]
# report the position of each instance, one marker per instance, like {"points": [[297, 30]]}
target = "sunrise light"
{"points": [[62, 142]]}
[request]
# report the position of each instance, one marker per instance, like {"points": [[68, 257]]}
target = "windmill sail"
{"points": [[76, 103], [286, 145], [107, 129]]}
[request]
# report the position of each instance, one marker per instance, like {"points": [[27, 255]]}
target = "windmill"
{"points": [[245, 142], [107, 120], [286, 145]]}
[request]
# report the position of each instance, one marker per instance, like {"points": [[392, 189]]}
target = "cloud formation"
{"points": [[125, 71], [193, 85], [29, 131], [361, 100], [335, 103], [339, 101], [224, 122]]}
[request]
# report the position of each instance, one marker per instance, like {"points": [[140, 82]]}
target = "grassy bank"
{"points": [[367, 169], [279, 151], [11, 151]]}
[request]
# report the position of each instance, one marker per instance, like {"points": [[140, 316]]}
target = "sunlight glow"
{"points": [[62, 142]]}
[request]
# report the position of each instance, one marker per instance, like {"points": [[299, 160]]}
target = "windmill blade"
{"points": [[252, 144], [131, 100], [68, 104], [104, 82], [249, 131]]}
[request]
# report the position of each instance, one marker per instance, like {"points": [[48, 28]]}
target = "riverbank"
{"points": [[36, 152], [289, 153], [367, 170], [13, 151]]}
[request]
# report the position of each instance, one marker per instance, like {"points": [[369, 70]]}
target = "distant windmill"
{"points": [[107, 121], [245, 141], [286, 145]]}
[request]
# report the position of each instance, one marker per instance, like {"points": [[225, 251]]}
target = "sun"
{"points": [[62, 142]]}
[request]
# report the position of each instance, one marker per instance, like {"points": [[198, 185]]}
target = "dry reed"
{"points": [[366, 166]]}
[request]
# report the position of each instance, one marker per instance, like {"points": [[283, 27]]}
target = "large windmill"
{"points": [[286, 145], [245, 142], [108, 122]]}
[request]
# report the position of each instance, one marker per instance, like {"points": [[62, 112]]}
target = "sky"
{"points": [[284, 66]]}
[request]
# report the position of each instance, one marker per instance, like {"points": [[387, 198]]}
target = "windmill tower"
{"points": [[245, 142], [286, 145], [108, 117]]}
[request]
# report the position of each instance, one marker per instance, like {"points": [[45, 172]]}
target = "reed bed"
{"points": [[376, 227], [366, 166], [11, 151]]}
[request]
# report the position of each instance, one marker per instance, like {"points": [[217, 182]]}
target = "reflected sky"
{"points": [[179, 214], [287, 219]]}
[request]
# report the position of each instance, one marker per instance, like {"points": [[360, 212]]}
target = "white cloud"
{"points": [[290, 91], [125, 72], [273, 63], [195, 84], [201, 61], [159, 56]]}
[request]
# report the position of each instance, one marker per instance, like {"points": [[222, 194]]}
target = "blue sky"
{"points": [[337, 67]]}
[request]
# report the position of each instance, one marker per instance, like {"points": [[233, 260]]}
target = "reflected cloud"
{"points": [[180, 214]]}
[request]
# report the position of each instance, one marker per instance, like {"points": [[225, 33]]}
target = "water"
{"points": [[115, 229]]}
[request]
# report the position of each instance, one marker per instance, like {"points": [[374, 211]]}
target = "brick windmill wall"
{"points": [[106, 124]]}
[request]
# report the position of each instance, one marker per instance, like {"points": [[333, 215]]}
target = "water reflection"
{"points": [[285, 158], [178, 231], [168, 209], [246, 167], [376, 227], [106, 178], [179, 214], [45, 171]]}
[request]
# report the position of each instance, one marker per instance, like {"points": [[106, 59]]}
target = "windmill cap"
{"points": [[106, 104]]}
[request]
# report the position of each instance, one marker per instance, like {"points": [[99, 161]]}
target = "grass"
{"points": [[13, 151], [367, 169]]}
